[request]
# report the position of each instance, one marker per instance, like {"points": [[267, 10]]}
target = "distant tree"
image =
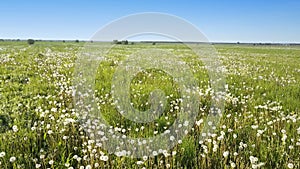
{"points": [[125, 42], [1, 40], [238, 43], [18, 40], [132, 43], [92, 41], [115, 42], [63, 41], [153, 43], [30, 41], [77, 41]]}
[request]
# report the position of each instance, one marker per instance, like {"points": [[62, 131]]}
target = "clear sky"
{"points": [[222, 20]]}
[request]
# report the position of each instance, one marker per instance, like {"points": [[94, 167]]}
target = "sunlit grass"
{"points": [[40, 128]]}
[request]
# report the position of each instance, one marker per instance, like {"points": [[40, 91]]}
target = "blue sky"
{"points": [[222, 20]]}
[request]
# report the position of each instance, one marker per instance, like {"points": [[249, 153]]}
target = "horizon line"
{"points": [[150, 41]]}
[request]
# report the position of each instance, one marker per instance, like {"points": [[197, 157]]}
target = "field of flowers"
{"points": [[40, 127]]}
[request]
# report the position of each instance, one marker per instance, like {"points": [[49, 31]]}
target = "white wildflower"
{"points": [[15, 128], [290, 165], [2, 154], [226, 153], [12, 159]]}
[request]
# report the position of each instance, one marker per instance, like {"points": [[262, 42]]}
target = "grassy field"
{"points": [[40, 128]]}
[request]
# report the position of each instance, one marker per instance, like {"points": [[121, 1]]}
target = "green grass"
{"points": [[260, 119]]}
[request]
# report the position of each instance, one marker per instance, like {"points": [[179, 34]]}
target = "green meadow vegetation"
{"points": [[40, 127]]}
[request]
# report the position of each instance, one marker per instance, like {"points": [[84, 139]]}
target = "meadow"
{"points": [[41, 128]]}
